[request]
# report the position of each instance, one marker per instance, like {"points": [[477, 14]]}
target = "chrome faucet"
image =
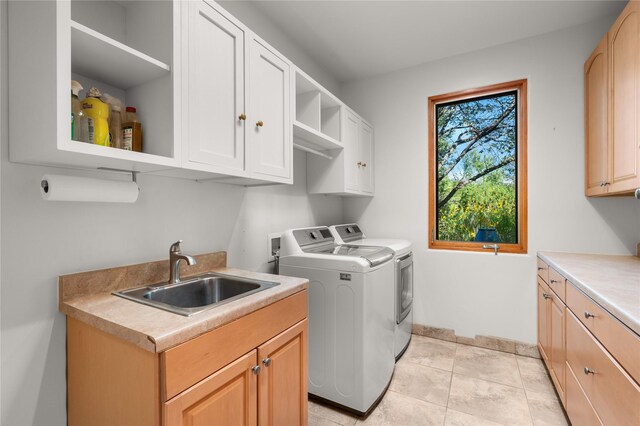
{"points": [[175, 256]]}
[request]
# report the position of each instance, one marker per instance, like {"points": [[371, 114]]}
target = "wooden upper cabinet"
{"points": [[624, 54], [612, 110], [595, 113]]}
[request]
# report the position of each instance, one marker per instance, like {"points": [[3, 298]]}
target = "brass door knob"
{"points": [[259, 124], [242, 117]]}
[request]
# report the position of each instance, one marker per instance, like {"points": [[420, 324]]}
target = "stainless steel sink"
{"points": [[196, 294]]}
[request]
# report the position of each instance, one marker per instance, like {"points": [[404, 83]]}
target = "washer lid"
{"points": [[374, 255]]}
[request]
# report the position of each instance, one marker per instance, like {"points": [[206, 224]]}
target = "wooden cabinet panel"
{"points": [[613, 394], [544, 324], [269, 122], [595, 114], [227, 397], [621, 342], [557, 283], [624, 60], [196, 359], [283, 379], [543, 270], [578, 407], [558, 349], [215, 89]]}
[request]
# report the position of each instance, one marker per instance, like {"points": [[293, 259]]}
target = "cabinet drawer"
{"points": [[578, 407], [613, 394], [621, 342], [557, 283], [543, 270], [192, 361]]}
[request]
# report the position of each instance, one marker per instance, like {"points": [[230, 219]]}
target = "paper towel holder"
{"points": [[45, 184]]}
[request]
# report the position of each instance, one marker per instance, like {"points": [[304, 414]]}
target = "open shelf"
{"points": [[107, 60], [311, 138]]}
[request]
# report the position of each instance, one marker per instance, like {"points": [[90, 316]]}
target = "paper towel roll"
{"points": [[70, 188]]}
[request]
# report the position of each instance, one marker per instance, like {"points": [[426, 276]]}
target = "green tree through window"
{"points": [[476, 175]]}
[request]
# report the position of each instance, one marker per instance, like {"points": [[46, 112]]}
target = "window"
{"points": [[478, 169]]}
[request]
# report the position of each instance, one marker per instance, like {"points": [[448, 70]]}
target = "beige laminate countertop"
{"points": [[613, 282], [157, 330]]}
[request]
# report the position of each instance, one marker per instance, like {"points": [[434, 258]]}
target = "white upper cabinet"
{"points": [[126, 49], [237, 106], [214, 83], [348, 171], [269, 123]]}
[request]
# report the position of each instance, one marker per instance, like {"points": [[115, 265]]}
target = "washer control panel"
{"points": [[313, 236]]}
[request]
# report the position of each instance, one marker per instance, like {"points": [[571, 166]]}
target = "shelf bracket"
{"points": [[312, 151]]}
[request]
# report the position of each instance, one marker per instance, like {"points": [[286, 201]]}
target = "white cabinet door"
{"points": [[351, 155], [215, 88], [366, 157], [269, 145]]}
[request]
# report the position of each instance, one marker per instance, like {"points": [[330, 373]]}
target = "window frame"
{"points": [[521, 166]]}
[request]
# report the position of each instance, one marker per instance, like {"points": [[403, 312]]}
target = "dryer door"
{"points": [[404, 286]]}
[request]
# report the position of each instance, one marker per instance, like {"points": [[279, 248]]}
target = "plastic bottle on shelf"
{"points": [[94, 108], [115, 127], [132, 131], [77, 117]]}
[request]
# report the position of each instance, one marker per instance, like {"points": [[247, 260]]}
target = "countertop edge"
{"points": [[601, 300], [202, 323]]}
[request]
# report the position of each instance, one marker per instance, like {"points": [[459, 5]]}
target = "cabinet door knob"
{"points": [[259, 124], [588, 371], [255, 369], [546, 296], [588, 315], [555, 282], [242, 117], [266, 362], [364, 164], [359, 163], [540, 268]]}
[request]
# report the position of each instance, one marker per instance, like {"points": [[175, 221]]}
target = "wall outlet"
{"points": [[273, 243]]}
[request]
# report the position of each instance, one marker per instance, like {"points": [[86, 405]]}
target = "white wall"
{"points": [[247, 13], [477, 293], [41, 240]]}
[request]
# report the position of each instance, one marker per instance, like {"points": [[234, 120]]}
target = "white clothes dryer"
{"points": [[351, 323], [403, 278]]}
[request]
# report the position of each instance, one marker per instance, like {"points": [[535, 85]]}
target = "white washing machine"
{"points": [[351, 323], [403, 259]]}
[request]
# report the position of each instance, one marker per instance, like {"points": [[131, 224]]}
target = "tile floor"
{"points": [[443, 383]]}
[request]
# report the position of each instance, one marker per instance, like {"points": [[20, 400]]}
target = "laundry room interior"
{"points": [[319, 212]]}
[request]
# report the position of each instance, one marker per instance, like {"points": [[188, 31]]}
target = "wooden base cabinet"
{"points": [[250, 371], [592, 358], [267, 386]]}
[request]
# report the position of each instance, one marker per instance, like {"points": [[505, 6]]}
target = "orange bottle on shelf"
{"points": [[132, 131]]}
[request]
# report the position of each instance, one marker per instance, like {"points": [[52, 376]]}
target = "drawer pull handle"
{"points": [[588, 371], [555, 282], [540, 268], [588, 315], [266, 362], [546, 296], [255, 369]]}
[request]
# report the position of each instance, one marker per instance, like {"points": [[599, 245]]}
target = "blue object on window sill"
{"points": [[487, 235]]}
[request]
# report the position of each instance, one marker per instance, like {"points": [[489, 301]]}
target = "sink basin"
{"points": [[196, 294]]}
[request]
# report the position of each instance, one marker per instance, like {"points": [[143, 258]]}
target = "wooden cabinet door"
{"points": [[624, 109], [366, 155], [215, 88], [269, 143], [558, 348], [595, 113], [543, 322], [227, 397], [351, 155], [282, 383]]}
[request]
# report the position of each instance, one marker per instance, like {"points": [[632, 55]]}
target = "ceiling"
{"points": [[356, 39]]}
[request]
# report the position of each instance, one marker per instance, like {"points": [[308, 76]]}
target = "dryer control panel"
{"points": [[313, 237], [351, 232]]}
